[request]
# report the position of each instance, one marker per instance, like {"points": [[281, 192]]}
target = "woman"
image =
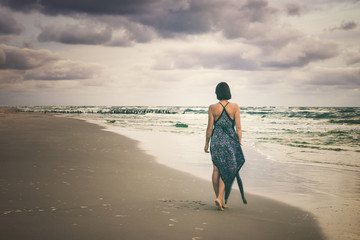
{"points": [[225, 148]]}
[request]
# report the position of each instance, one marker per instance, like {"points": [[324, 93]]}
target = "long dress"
{"points": [[226, 152]]}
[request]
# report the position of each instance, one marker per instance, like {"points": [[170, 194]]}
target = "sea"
{"points": [[308, 157]]}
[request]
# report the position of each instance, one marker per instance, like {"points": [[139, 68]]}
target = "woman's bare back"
{"points": [[217, 109]]}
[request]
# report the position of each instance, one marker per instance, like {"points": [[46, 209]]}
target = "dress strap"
{"points": [[223, 105]]}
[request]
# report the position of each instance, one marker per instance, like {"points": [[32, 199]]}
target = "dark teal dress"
{"points": [[226, 152]]}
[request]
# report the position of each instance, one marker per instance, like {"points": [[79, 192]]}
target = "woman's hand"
{"points": [[206, 148]]}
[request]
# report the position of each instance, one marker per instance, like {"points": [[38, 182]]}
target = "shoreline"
{"points": [[64, 177]]}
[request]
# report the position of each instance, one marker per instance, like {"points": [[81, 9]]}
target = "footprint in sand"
{"points": [[173, 219]]}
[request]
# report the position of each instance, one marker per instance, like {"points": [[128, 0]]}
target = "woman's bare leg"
{"points": [[219, 189], [221, 193], [215, 180]]}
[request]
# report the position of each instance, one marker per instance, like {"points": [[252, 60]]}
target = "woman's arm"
{"points": [[209, 129], [238, 123]]}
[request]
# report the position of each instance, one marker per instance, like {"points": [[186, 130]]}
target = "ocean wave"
{"points": [[347, 121], [315, 113], [181, 125], [121, 110], [260, 112], [337, 115], [337, 149], [195, 111]]}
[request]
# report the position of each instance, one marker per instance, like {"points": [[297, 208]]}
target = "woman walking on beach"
{"points": [[225, 146]]}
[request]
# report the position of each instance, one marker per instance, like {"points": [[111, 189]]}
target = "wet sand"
{"points": [[67, 179]]}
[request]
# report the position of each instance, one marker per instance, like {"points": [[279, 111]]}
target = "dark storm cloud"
{"points": [[75, 34], [192, 21], [55, 7], [63, 70], [310, 51], [28, 43], [348, 25], [293, 9], [125, 32], [250, 20], [345, 26], [166, 17], [28, 64], [257, 11], [23, 58], [8, 23]]}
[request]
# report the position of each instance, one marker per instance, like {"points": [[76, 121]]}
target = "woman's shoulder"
{"points": [[233, 105], [212, 106]]}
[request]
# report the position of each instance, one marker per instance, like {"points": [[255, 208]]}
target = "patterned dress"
{"points": [[226, 152]]}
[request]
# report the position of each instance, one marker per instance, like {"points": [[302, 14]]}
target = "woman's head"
{"points": [[223, 91]]}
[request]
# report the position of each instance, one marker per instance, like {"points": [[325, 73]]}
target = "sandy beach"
{"points": [[67, 179]]}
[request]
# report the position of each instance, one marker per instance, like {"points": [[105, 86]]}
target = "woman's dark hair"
{"points": [[223, 91]]}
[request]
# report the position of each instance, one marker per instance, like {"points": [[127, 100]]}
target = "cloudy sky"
{"points": [[174, 52]]}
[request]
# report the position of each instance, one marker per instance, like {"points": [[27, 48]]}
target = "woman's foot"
{"points": [[224, 206], [219, 204]]}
